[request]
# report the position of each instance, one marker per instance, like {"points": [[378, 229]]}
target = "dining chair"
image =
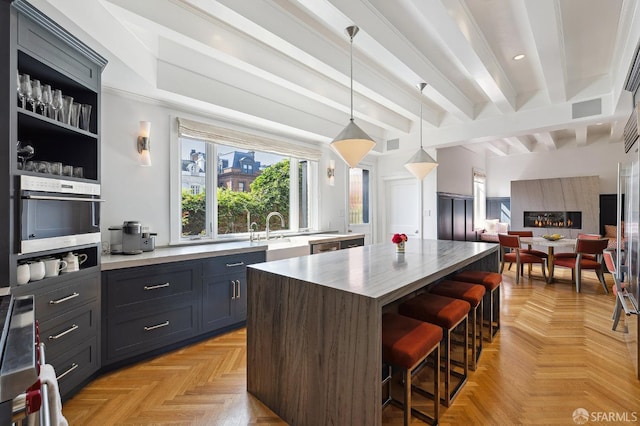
{"points": [[574, 254], [538, 253], [619, 289], [588, 256], [512, 253]]}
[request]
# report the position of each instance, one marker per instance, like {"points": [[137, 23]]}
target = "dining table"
{"points": [[551, 246]]}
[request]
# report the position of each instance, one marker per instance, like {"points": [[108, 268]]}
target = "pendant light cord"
{"points": [[351, 72]]}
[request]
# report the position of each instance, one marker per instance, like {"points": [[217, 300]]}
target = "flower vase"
{"points": [[400, 247]]}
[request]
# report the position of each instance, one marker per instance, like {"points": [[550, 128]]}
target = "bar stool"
{"points": [[448, 313], [473, 294], [406, 343], [491, 282]]}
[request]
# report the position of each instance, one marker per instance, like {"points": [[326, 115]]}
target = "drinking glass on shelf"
{"points": [[74, 119], [25, 89], [36, 94], [67, 170], [78, 172], [20, 96], [46, 100], [56, 168], [67, 102], [56, 103], [85, 112]]}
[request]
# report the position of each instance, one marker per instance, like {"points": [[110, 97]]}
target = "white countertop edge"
{"points": [[178, 254]]}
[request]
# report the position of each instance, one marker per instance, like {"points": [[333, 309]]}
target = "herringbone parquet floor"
{"points": [[555, 353]]}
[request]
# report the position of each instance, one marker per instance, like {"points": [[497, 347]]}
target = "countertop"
{"points": [[201, 251], [377, 271]]}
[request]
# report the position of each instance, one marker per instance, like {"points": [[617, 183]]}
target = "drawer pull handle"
{"points": [[155, 287], [229, 265], [353, 245], [153, 327], [64, 299], [73, 367], [74, 327]]}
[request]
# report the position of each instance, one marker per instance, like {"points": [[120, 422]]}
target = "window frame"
{"points": [[212, 235]]}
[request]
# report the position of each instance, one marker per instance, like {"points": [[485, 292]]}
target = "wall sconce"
{"points": [[331, 172], [144, 144]]}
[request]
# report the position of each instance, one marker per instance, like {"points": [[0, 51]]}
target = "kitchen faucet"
{"points": [[269, 216]]}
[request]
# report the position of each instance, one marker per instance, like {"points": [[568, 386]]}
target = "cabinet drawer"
{"points": [[356, 242], [148, 332], [149, 284], [64, 297], [75, 366], [232, 263], [69, 330]]}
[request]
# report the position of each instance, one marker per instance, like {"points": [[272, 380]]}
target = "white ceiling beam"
{"points": [[469, 49], [546, 25], [625, 45], [617, 130], [288, 27], [377, 31], [520, 143], [546, 139], [581, 135], [494, 147]]}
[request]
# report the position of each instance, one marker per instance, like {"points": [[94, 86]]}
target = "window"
{"points": [[479, 198], [249, 185], [358, 196]]}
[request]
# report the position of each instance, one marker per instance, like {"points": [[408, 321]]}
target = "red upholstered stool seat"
{"points": [[406, 343], [473, 294], [491, 282], [448, 313]]}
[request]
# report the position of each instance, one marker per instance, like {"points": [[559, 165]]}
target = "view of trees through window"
{"points": [[250, 185]]}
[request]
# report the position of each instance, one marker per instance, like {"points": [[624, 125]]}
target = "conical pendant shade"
{"points": [[352, 144], [421, 164]]}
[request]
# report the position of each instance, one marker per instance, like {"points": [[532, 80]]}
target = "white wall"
{"points": [[455, 170], [596, 159], [142, 193]]}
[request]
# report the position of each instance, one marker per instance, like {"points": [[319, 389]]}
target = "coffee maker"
{"points": [[130, 238]]}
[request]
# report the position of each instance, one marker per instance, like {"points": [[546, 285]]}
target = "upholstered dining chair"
{"points": [[574, 254], [588, 256], [528, 250], [512, 253]]}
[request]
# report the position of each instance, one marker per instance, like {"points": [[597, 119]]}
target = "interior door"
{"points": [[402, 201]]}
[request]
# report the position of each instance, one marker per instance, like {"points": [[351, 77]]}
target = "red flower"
{"points": [[399, 238]]}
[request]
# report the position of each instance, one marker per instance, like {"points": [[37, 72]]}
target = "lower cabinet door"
{"points": [[75, 366], [217, 307], [150, 331]]}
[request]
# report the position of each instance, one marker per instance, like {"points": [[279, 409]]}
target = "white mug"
{"points": [[36, 270], [52, 267], [23, 276]]}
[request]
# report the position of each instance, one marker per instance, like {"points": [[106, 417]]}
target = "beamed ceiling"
{"points": [[283, 65]]}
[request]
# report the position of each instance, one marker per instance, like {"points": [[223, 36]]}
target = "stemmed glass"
{"points": [[25, 89], [46, 99], [36, 93], [56, 102], [19, 89]]}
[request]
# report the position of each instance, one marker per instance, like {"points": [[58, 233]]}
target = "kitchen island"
{"points": [[314, 351]]}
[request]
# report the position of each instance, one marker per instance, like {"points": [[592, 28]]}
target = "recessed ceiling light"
{"points": [[599, 124], [518, 57]]}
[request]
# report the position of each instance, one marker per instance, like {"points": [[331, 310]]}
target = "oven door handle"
{"points": [[54, 198]]}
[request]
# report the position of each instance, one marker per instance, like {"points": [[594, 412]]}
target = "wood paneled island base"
{"points": [[313, 324]]}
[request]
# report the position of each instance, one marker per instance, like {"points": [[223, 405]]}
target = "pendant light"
{"points": [[421, 163], [352, 144]]}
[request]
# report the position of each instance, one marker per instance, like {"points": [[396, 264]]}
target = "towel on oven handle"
{"points": [[48, 377]]}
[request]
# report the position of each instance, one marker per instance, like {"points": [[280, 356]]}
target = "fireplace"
{"points": [[571, 220]]}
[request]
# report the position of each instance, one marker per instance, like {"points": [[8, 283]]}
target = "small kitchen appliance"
{"points": [[131, 238]]}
